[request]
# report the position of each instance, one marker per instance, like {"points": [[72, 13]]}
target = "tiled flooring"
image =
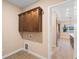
{"points": [[63, 51], [22, 55]]}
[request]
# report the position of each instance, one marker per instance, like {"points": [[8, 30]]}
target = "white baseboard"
{"points": [[12, 53], [39, 56]]}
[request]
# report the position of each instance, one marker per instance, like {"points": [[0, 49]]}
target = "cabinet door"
{"points": [[35, 20], [21, 23], [27, 26], [40, 19], [31, 21]]}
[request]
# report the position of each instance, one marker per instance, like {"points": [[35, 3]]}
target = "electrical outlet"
{"points": [[26, 46]]}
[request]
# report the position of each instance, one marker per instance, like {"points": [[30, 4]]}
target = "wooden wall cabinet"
{"points": [[31, 21]]}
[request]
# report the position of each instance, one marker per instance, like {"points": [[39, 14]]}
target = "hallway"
{"points": [[64, 50]]}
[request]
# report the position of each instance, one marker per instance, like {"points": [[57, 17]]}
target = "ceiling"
{"points": [[66, 11], [22, 3]]}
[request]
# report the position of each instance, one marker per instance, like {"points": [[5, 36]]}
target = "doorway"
{"points": [[63, 30]]}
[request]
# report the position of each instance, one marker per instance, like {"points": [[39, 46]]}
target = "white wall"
{"points": [[11, 37], [42, 48]]}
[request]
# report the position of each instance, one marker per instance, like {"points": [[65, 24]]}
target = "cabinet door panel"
{"points": [[35, 27], [27, 22], [40, 20], [31, 21], [21, 23]]}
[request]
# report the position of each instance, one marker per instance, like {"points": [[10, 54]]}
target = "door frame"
{"points": [[49, 27]]}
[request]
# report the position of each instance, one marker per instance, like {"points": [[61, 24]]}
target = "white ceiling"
{"points": [[66, 11], [22, 3]]}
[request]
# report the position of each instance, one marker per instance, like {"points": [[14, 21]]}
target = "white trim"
{"points": [[49, 33], [12, 53], [49, 47], [60, 3], [39, 56]]}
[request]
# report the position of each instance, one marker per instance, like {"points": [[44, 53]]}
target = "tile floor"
{"points": [[64, 50], [22, 55]]}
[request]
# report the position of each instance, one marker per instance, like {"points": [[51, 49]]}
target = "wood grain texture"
{"points": [[31, 21]]}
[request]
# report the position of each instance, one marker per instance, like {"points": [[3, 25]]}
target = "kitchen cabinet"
{"points": [[21, 16], [31, 21]]}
